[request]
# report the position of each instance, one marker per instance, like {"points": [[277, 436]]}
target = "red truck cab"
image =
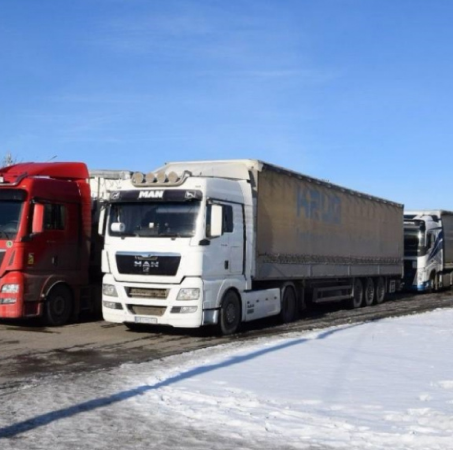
{"points": [[45, 241]]}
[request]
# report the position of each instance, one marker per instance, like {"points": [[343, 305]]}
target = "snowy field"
{"points": [[380, 385]]}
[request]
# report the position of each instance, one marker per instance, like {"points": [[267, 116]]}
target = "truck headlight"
{"points": [[10, 288], [188, 294], [7, 301], [109, 290]]}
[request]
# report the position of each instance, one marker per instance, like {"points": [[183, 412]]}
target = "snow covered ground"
{"points": [[379, 385]]}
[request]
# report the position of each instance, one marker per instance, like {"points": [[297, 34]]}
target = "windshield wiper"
{"points": [[5, 234], [173, 234], [123, 235]]}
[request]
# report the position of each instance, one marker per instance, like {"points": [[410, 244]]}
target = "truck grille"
{"points": [[147, 310], [161, 294], [147, 264]]}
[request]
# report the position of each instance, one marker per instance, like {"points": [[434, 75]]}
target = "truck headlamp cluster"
{"points": [[184, 309], [10, 288], [109, 290], [188, 294], [159, 179]]}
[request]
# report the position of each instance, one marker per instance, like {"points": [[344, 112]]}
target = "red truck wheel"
{"points": [[58, 306]]}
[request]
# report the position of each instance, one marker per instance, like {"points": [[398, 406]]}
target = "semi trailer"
{"points": [[224, 242], [50, 258], [428, 250]]}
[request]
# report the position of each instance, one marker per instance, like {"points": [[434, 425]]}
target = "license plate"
{"points": [[145, 320]]}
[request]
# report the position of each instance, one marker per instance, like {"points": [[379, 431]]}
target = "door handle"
{"points": [[226, 264], [54, 260]]}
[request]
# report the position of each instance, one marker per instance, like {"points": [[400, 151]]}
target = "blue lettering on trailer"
{"points": [[318, 205]]}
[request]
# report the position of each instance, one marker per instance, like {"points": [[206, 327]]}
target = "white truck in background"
{"points": [[428, 250], [225, 242]]}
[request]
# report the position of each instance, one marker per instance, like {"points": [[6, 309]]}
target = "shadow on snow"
{"points": [[64, 413]]}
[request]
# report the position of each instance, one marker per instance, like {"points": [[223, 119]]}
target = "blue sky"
{"points": [[358, 92]]}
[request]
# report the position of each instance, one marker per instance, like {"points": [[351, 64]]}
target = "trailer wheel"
{"points": [[369, 293], [380, 290], [230, 314], [58, 307], [289, 305], [357, 294]]}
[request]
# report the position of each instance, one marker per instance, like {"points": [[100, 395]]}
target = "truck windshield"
{"points": [[9, 218], [154, 219], [414, 242]]}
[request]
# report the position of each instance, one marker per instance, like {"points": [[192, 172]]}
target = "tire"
{"points": [[230, 314], [433, 283], [436, 282], [288, 312], [380, 291], [357, 294], [58, 306], [369, 293]]}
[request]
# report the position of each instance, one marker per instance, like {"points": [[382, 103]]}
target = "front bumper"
{"points": [[133, 308]]}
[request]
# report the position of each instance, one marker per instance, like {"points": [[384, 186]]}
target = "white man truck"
{"points": [[225, 242], [428, 250]]}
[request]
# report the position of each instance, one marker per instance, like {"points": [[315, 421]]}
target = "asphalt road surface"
{"points": [[29, 352]]}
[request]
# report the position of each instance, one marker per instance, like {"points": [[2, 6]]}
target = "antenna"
{"points": [[53, 157]]}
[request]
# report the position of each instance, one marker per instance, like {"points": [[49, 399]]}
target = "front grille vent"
{"points": [[147, 264], [142, 310], [134, 292]]}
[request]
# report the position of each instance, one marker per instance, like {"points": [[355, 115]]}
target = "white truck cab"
{"points": [[428, 250], [175, 248]]}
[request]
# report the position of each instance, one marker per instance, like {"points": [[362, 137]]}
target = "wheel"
{"points": [[380, 290], [58, 306], [369, 293], [289, 305], [433, 282], [230, 314], [357, 294]]}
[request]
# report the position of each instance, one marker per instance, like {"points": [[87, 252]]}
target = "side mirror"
{"points": [[101, 223], [216, 221], [38, 218], [118, 227]]}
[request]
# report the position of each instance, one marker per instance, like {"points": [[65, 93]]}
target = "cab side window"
{"points": [[227, 219], [54, 217]]}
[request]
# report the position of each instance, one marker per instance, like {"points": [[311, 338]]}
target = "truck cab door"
{"points": [[434, 246], [226, 252], [216, 260], [54, 246], [236, 240]]}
